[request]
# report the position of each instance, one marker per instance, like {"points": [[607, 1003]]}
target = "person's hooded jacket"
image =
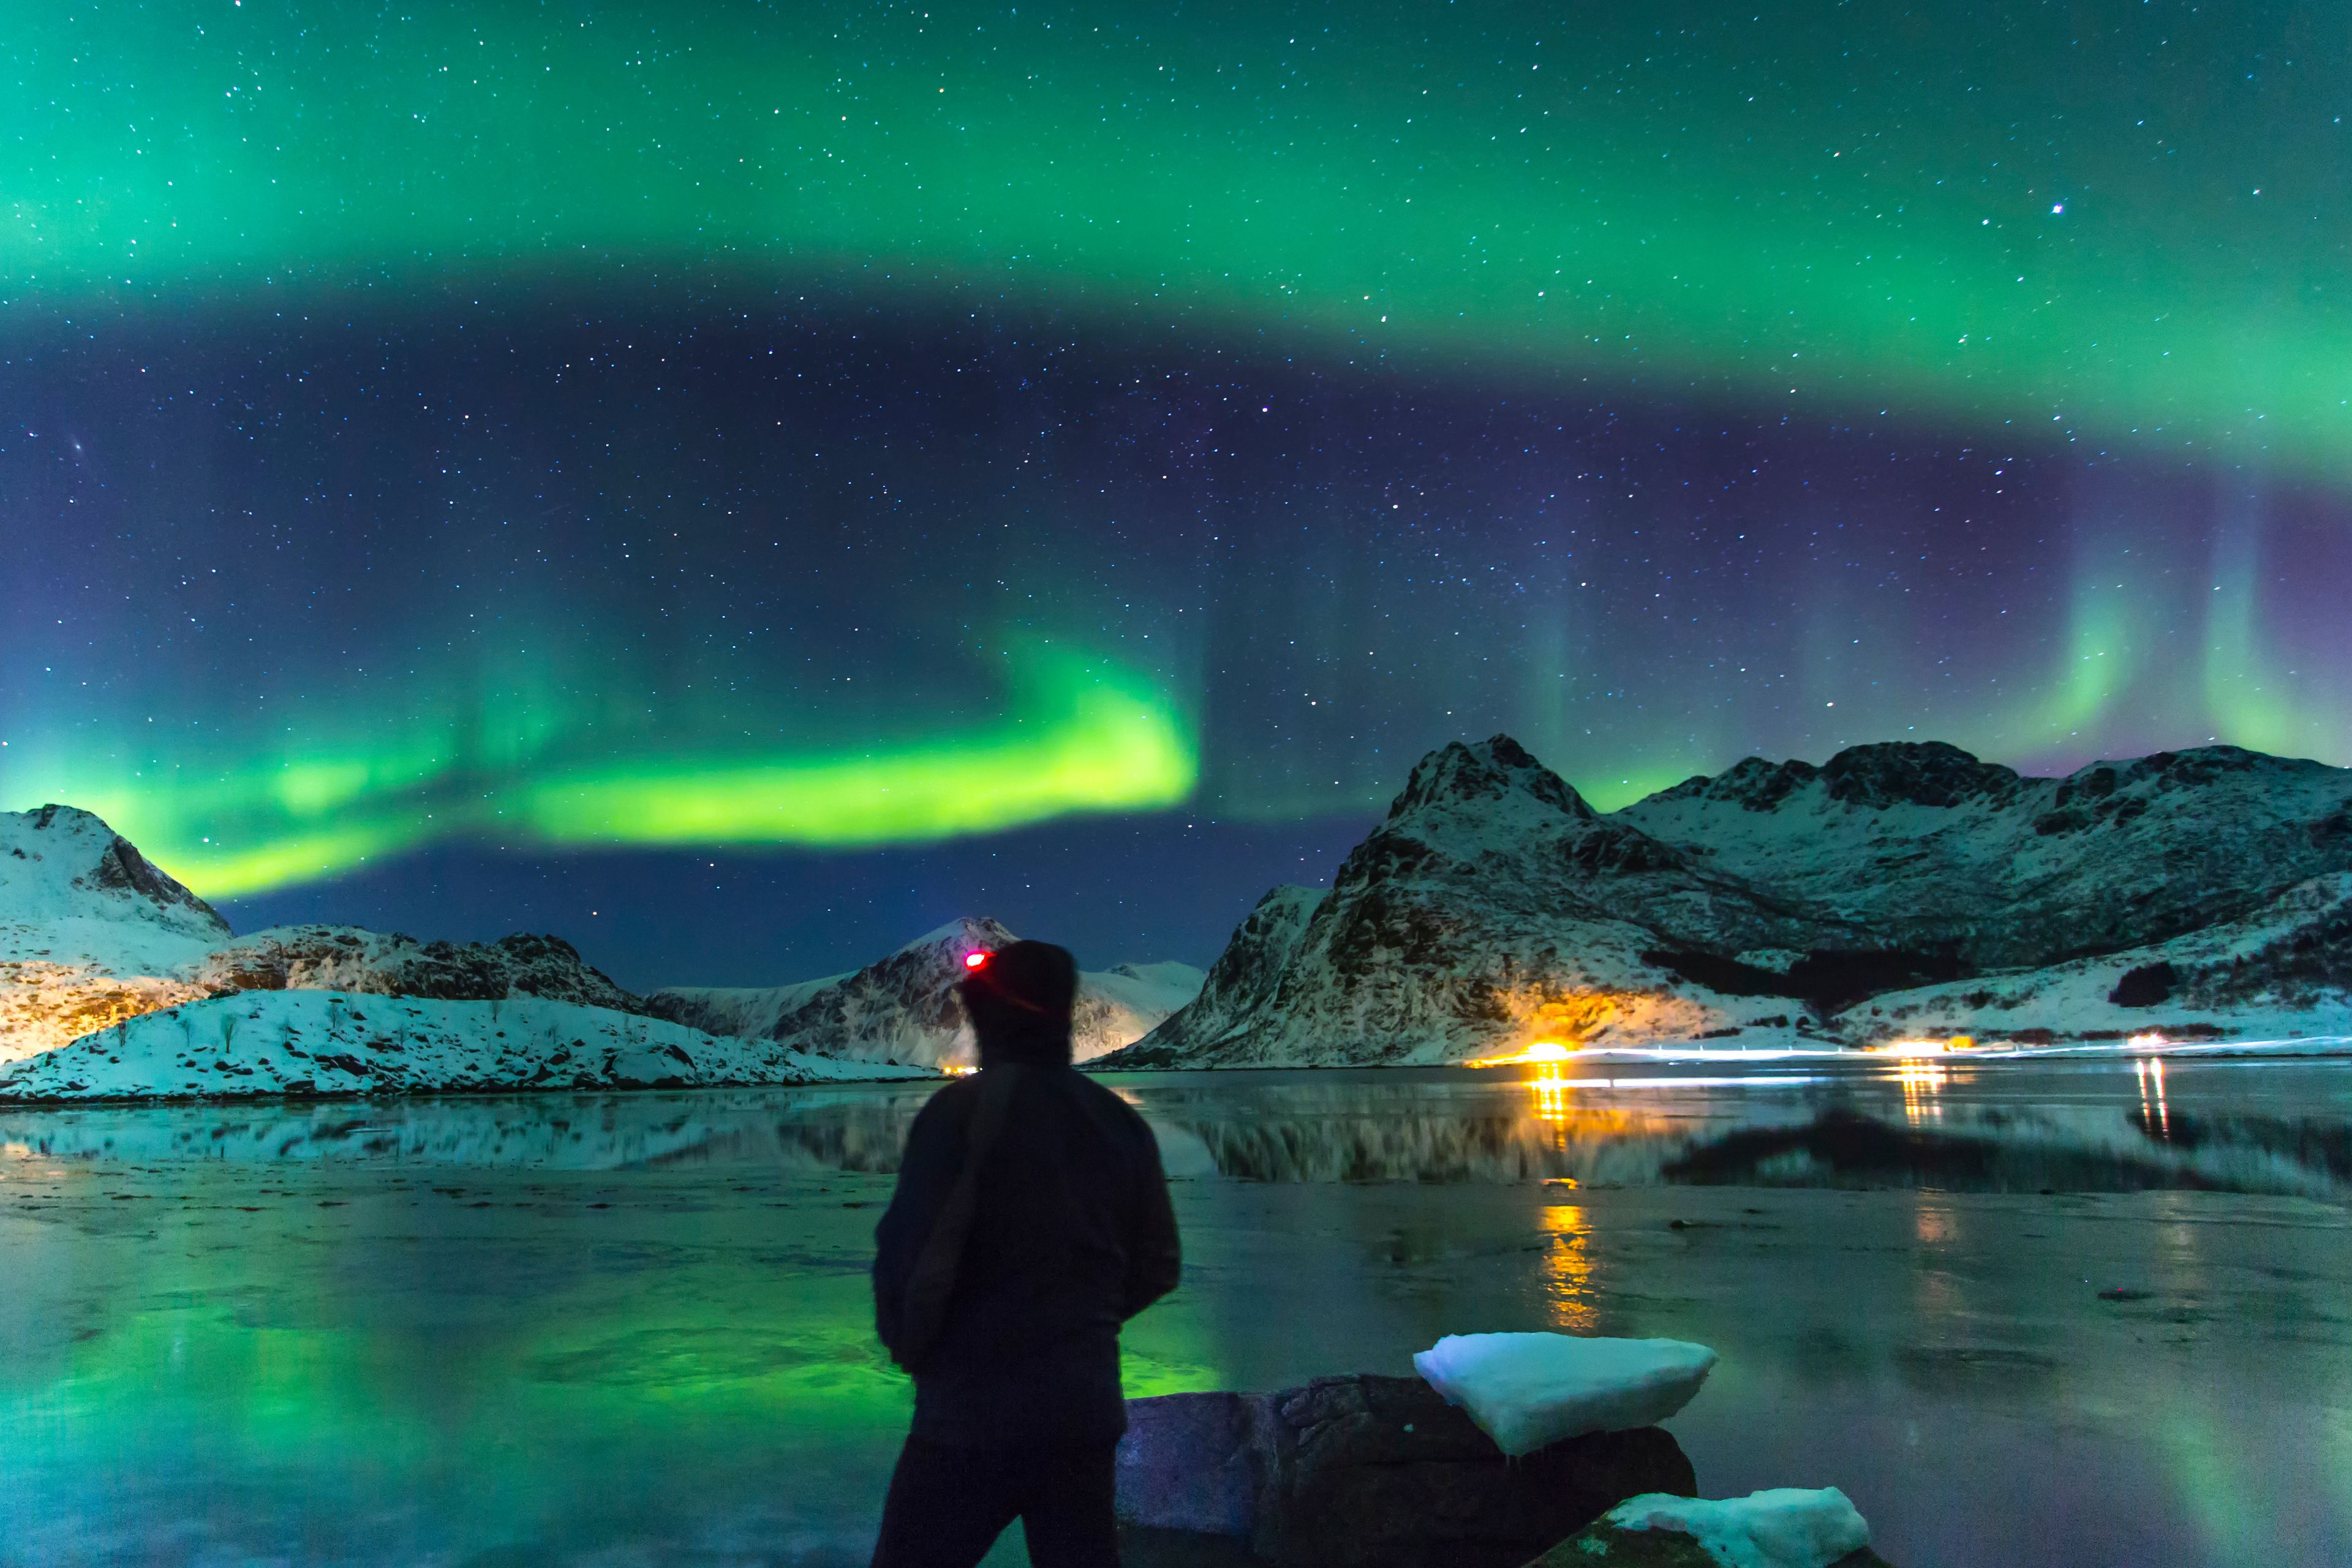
{"points": [[1072, 1231]]}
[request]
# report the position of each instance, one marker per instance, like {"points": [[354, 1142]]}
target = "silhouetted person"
{"points": [[1000, 1283]]}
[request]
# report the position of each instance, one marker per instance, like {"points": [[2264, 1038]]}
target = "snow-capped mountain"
{"points": [[93, 939], [92, 934], [1925, 847], [89, 932], [1494, 907], [904, 1007]]}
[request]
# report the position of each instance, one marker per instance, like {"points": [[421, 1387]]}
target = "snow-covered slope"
{"points": [[89, 932], [1118, 1005], [2280, 973], [341, 1043], [751, 1011], [904, 1008], [1494, 907]]}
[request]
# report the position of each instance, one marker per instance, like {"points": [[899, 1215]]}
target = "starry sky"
{"points": [[738, 485]]}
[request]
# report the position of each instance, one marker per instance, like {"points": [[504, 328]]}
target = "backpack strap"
{"points": [[933, 1279]]}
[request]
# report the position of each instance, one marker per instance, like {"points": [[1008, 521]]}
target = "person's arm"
{"points": [[1155, 1258], [927, 1171]]}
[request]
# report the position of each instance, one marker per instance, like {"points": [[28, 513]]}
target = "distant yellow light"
{"points": [[1908, 1051], [2147, 1042], [1541, 1051]]}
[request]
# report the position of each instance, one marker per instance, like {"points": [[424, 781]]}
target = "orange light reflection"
{"points": [[1568, 1269]]}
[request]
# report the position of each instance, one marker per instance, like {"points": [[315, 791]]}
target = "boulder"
{"points": [[1372, 1472]]}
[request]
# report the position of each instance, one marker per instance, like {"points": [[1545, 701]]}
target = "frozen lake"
{"points": [[634, 1330]]}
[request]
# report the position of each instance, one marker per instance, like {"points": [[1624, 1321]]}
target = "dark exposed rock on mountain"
{"points": [[1896, 887], [346, 958], [1372, 1472]]}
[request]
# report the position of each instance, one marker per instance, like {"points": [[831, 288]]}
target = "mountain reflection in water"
{"points": [[2282, 1127]]}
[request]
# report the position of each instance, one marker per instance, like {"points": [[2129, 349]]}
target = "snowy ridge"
{"points": [[1897, 888], [335, 1043], [904, 1008], [1922, 845]]}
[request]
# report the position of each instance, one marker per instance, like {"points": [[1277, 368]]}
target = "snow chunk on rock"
{"points": [[1787, 1527], [1529, 1391]]}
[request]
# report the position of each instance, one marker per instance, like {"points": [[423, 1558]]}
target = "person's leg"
{"points": [[1067, 1508], [946, 1507]]}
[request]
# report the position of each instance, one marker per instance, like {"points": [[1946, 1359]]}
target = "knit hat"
{"points": [[1035, 977]]}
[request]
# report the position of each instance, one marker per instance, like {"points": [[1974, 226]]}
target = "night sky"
{"points": [[738, 485]]}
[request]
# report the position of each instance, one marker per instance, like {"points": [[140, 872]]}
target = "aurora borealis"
{"points": [[777, 435]]}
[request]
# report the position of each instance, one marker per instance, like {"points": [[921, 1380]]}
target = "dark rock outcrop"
{"points": [[1372, 1472], [347, 958]]}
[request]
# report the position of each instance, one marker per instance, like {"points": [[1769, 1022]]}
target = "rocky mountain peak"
{"points": [[1915, 772], [1751, 783], [60, 860], [1490, 770], [1872, 777]]}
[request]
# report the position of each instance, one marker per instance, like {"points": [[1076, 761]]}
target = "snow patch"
{"points": [[1787, 1527], [1529, 1391]]}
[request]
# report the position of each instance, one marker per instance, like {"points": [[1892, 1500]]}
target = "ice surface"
{"points": [[1525, 1391], [1787, 1527]]}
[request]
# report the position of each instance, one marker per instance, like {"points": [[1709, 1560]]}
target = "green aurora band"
{"points": [[2129, 220], [2118, 226], [1076, 736]]}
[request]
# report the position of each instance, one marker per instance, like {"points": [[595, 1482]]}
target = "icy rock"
{"points": [[1525, 1391], [1369, 1472], [1784, 1528]]}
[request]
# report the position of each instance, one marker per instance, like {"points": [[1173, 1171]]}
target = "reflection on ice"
{"points": [[1568, 1270], [2279, 1127]]}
